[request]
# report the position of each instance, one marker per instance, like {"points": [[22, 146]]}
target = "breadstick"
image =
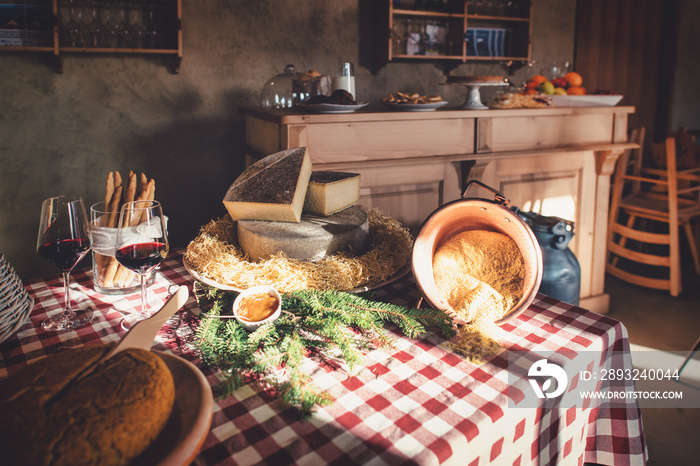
{"points": [[113, 217], [112, 265], [131, 190], [114, 203], [123, 276], [109, 192], [145, 198], [122, 273], [130, 193], [151, 189]]}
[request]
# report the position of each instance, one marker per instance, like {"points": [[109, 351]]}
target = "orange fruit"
{"points": [[573, 79], [576, 90], [537, 79], [531, 92], [532, 85]]}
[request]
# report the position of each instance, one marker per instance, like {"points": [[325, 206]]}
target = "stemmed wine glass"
{"points": [[122, 27], [109, 33], [142, 244], [154, 34], [63, 240], [136, 32], [73, 30], [94, 28]]}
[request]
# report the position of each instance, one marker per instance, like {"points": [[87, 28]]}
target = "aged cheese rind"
{"points": [[313, 238], [271, 189], [331, 192]]}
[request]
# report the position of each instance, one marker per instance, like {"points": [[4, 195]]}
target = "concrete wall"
{"points": [[62, 133]]}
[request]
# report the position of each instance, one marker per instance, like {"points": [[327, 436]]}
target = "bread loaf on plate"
{"points": [[108, 417]]}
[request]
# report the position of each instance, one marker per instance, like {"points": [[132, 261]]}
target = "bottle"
{"points": [[345, 79]]}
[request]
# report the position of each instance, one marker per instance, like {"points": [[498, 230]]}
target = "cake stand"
{"points": [[473, 101]]}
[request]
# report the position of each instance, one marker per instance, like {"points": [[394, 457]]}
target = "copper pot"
{"points": [[475, 214]]}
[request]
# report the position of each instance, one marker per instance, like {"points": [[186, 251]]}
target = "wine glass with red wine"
{"points": [[63, 240], [142, 244]]}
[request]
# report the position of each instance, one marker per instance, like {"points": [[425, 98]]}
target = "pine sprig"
{"points": [[321, 324]]}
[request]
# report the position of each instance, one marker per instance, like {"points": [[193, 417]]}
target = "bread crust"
{"points": [[109, 417]]}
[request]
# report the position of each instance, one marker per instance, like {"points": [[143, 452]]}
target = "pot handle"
{"points": [[498, 196]]}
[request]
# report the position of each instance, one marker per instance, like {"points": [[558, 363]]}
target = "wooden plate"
{"points": [[189, 423]]}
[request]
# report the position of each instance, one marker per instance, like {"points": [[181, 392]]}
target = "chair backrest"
{"points": [[630, 164], [667, 195], [683, 183], [680, 187], [687, 151]]}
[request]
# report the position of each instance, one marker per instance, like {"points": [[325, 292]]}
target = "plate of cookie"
{"points": [[413, 102]]}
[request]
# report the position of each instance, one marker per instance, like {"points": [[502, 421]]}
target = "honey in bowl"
{"points": [[257, 307]]}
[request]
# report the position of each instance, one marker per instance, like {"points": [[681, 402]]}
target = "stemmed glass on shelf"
{"points": [[73, 31], [153, 34], [109, 26], [136, 29], [95, 29], [121, 27], [63, 240], [141, 245]]}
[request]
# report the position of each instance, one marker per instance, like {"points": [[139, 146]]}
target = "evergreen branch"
{"points": [[313, 324]]}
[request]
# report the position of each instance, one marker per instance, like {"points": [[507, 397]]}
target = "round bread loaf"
{"points": [[109, 417], [313, 238]]}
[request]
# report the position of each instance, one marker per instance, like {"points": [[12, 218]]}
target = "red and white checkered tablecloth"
{"points": [[416, 404]]}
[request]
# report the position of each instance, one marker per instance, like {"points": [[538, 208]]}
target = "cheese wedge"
{"points": [[271, 189], [331, 192]]}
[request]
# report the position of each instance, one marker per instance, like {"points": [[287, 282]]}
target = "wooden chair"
{"points": [[642, 201], [687, 151]]}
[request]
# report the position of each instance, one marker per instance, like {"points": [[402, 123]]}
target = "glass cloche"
{"points": [[287, 89]]}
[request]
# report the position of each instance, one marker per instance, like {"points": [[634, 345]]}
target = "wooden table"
{"points": [[553, 161], [416, 404]]}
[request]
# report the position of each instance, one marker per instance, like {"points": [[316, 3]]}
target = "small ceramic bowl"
{"points": [[260, 289]]}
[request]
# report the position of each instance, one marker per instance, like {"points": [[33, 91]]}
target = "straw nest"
{"points": [[215, 255]]}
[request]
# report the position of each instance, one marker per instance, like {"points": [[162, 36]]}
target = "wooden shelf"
{"points": [[18, 48], [116, 50], [429, 57], [172, 20], [424, 14], [457, 21], [473, 58], [499, 18]]}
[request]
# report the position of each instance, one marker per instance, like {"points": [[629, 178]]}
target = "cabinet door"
{"points": [[409, 193], [559, 185]]}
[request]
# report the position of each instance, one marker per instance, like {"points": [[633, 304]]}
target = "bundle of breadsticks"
{"points": [[111, 274]]}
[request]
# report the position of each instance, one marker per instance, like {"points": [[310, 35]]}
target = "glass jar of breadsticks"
{"points": [[108, 276]]}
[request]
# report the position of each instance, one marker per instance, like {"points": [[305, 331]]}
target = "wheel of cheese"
{"points": [[313, 238]]}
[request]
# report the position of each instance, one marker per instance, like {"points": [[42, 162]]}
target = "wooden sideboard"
{"points": [[554, 161]]}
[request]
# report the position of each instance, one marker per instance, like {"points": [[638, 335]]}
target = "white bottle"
{"points": [[345, 79]]}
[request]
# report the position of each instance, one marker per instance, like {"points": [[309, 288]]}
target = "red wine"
{"points": [[141, 257], [64, 253]]}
